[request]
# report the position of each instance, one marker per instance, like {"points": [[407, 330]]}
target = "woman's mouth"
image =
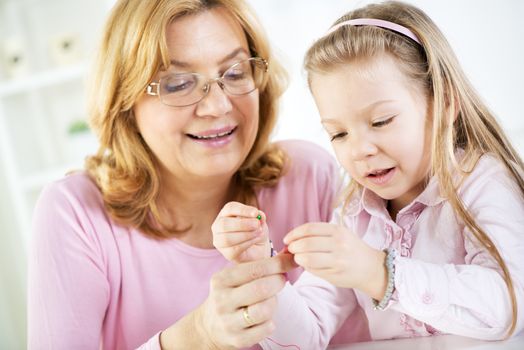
{"points": [[215, 137], [381, 176]]}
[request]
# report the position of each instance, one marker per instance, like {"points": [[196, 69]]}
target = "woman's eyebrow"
{"points": [[233, 54]]}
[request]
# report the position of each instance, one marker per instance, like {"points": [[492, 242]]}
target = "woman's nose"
{"points": [[216, 102]]}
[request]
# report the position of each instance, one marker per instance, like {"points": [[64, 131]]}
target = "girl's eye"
{"points": [[382, 122], [338, 136]]}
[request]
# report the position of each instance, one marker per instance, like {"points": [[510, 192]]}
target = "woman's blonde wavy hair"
{"points": [[460, 119], [133, 50]]}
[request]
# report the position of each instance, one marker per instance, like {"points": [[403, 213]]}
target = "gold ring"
{"points": [[247, 318]]}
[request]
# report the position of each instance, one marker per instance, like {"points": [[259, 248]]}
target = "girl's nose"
{"points": [[362, 146]]}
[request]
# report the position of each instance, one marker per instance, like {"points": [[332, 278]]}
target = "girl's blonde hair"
{"points": [[459, 117], [133, 50]]}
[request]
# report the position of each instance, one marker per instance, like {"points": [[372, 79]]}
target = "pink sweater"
{"points": [[445, 283], [96, 284]]}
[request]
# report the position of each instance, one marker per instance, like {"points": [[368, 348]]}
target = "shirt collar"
{"points": [[374, 205]]}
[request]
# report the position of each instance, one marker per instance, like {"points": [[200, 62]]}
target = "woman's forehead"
{"points": [[211, 36]]}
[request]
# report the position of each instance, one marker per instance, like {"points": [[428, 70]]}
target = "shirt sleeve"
{"points": [[472, 299], [68, 290], [310, 311], [152, 344]]}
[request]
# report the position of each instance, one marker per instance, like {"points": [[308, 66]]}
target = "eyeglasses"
{"points": [[185, 89]]}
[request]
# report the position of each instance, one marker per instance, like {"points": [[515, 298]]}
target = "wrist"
{"points": [[376, 283], [188, 333], [203, 332]]}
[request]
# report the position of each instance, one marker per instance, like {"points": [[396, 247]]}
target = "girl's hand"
{"points": [[339, 256], [239, 235]]}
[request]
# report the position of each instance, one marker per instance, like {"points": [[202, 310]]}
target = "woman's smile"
{"points": [[214, 138]]}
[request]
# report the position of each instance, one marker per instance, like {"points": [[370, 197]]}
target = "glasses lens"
{"points": [[179, 89], [245, 76]]}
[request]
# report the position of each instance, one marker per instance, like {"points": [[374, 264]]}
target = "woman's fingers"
{"points": [[253, 285], [233, 252], [248, 337], [226, 224], [235, 209], [258, 290], [230, 239], [241, 274]]}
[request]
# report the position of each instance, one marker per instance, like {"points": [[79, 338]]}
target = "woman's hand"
{"points": [[239, 235], [339, 256], [242, 299]]}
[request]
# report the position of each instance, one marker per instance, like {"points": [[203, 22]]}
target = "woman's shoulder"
{"points": [[76, 190]]}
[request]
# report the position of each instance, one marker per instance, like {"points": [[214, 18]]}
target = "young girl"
{"points": [[430, 237]]}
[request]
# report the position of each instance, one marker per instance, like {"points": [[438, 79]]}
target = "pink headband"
{"points": [[377, 23]]}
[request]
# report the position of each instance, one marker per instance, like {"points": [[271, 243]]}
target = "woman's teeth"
{"points": [[208, 137]]}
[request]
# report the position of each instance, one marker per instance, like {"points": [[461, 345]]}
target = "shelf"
{"points": [[42, 79]]}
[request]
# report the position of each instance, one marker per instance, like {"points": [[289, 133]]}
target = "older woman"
{"points": [[184, 100]]}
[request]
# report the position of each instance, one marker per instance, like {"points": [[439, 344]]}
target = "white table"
{"points": [[443, 342]]}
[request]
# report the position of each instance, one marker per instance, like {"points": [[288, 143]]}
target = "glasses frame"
{"points": [[153, 88]]}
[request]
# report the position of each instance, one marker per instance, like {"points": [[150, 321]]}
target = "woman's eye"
{"points": [[235, 75], [178, 86], [338, 136], [179, 83], [382, 122]]}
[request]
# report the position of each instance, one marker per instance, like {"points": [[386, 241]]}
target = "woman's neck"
{"points": [[192, 205]]}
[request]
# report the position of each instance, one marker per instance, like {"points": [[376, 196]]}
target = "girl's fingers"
{"points": [[315, 244], [315, 261], [309, 230]]}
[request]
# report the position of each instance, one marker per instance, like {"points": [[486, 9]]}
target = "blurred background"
{"points": [[45, 51]]}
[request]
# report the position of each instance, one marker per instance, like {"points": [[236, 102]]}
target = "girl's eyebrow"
{"points": [[363, 110]]}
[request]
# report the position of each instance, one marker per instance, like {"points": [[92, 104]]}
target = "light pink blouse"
{"points": [[445, 282], [94, 283]]}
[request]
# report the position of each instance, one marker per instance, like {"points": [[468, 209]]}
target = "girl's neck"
{"points": [[392, 210]]}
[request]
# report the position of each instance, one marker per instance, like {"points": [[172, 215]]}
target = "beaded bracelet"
{"points": [[390, 267]]}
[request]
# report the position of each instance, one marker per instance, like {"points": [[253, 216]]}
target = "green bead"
{"points": [[259, 217]]}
